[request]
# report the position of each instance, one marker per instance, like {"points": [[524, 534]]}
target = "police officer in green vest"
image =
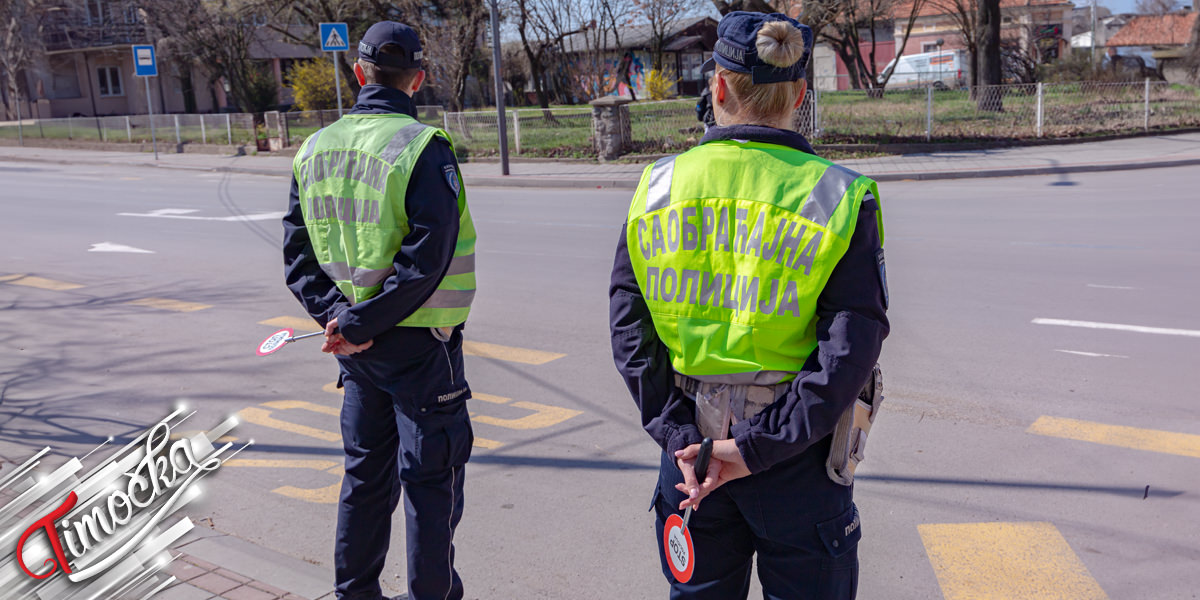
{"points": [[379, 247], [747, 305]]}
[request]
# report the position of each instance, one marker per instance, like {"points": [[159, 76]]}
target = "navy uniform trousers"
{"points": [[803, 527], [405, 431]]}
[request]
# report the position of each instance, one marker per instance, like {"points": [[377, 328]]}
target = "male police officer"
{"points": [[379, 248], [747, 304]]}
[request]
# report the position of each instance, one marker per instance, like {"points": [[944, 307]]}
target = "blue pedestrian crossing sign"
{"points": [[335, 37], [144, 64]]}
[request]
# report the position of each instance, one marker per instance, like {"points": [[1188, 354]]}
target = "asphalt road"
{"points": [[975, 480]]}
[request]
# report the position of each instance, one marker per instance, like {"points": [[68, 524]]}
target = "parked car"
{"points": [[942, 70]]}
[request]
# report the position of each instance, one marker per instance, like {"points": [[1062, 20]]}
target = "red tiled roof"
{"points": [[1156, 30]]}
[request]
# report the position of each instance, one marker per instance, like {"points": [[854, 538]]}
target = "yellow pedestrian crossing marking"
{"points": [[38, 282], [319, 465], [296, 323], [260, 416], [1166, 442], [169, 304], [509, 353], [1009, 561], [543, 415]]}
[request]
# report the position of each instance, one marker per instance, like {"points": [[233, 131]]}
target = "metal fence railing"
{"points": [[853, 116], [227, 128]]}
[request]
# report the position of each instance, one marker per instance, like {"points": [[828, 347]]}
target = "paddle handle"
{"points": [[701, 471], [300, 337]]}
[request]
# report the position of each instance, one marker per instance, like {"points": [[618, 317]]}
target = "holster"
{"points": [[850, 435]]}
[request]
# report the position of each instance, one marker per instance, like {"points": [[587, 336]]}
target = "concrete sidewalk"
{"points": [[1169, 150]]}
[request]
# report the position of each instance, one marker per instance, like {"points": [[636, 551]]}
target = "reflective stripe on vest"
{"points": [[732, 244], [353, 176]]}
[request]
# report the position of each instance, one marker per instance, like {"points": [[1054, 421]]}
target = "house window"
{"points": [[690, 66], [929, 47], [95, 12], [109, 79]]}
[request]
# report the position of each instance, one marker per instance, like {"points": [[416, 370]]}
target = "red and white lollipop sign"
{"points": [[280, 339], [677, 541]]}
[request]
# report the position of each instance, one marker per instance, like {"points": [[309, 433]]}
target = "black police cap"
{"points": [[737, 47], [401, 37]]}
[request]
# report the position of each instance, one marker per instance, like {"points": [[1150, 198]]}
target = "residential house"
{"points": [[1041, 26], [686, 45], [1161, 40], [87, 69]]}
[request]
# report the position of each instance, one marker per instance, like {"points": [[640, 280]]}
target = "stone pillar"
{"points": [[612, 132]]}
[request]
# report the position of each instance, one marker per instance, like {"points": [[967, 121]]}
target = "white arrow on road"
{"points": [[111, 247], [185, 213]]}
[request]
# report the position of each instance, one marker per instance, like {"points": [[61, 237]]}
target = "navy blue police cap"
{"points": [[406, 45], [737, 47]]}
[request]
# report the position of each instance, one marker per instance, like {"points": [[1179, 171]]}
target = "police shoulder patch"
{"points": [[450, 174]]}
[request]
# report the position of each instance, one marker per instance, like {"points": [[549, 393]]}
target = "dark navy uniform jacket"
{"points": [[431, 204], [851, 326]]}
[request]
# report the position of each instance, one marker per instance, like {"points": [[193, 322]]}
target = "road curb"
{"points": [[618, 183], [263, 564]]}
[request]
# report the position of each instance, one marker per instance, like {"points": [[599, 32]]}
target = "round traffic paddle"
{"points": [[677, 541], [279, 339]]}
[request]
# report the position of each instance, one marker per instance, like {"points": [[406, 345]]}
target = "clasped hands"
{"points": [[336, 344], [725, 465]]}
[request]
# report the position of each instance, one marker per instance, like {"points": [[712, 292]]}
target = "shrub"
{"points": [[312, 85], [660, 83]]}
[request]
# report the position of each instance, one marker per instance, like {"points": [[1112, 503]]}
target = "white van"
{"points": [[945, 69]]}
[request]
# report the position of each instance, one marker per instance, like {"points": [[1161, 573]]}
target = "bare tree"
{"points": [[662, 17], [20, 45], [965, 14], [763, 6], [1157, 7], [1192, 61], [217, 35], [841, 23], [357, 14], [542, 25], [450, 33]]}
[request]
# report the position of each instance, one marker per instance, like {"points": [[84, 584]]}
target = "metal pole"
{"points": [[1094, 30], [495, 17], [517, 130], [228, 129], [1040, 104], [20, 132], [70, 130], [337, 83], [150, 113], [203, 133], [1146, 104], [929, 113], [178, 140], [128, 130]]}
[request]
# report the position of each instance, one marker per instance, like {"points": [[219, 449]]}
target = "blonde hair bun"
{"points": [[780, 44]]}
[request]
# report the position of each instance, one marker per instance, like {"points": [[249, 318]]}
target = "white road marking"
{"points": [[185, 213], [1118, 327], [1110, 287], [1093, 354], [111, 247]]}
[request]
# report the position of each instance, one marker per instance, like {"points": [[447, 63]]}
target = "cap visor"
{"points": [[709, 65]]}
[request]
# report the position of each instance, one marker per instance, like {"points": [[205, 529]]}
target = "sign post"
{"points": [[335, 37], [145, 66]]}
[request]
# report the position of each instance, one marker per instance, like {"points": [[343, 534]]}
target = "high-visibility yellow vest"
{"points": [[731, 243], [353, 176]]}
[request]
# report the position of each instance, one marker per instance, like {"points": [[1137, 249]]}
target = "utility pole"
{"points": [[500, 120]]}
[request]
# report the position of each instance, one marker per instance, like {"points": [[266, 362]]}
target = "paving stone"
{"points": [[184, 571], [270, 589], [207, 566], [248, 593], [183, 591], [234, 576], [214, 583]]}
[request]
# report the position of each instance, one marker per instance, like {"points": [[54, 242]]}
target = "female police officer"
{"points": [[748, 304]]}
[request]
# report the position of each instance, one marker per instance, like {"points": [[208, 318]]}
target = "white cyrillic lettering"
{"points": [[692, 275], [668, 273], [810, 253], [656, 237], [749, 293], [790, 242], [721, 238], [707, 222], [767, 306], [641, 234], [790, 302], [727, 299], [652, 282], [739, 237], [755, 242], [710, 286], [673, 230], [689, 231]]}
